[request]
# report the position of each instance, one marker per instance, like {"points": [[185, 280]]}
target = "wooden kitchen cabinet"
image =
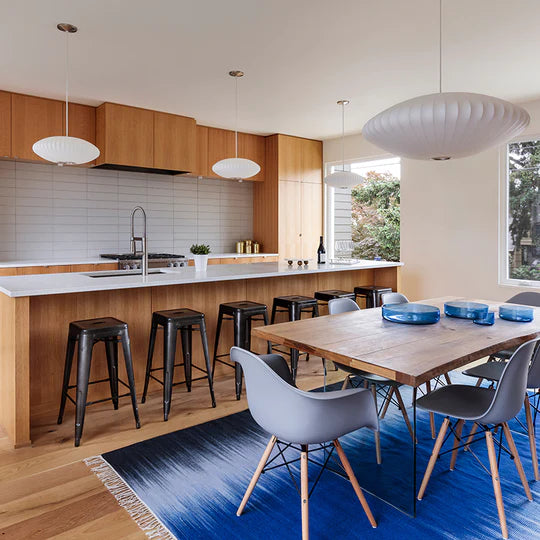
{"points": [[253, 147], [311, 218], [311, 161], [289, 158], [82, 123], [201, 167], [175, 142], [220, 146], [290, 219], [33, 118], [125, 136], [5, 124]]}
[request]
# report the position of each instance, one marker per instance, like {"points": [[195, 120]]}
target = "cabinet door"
{"points": [[311, 161], [201, 167], [311, 227], [253, 147], [33, 118], [82, 123], [220, 146], [290, 158], [5, 124], [125, 135], [290, 207], [174, 142]]}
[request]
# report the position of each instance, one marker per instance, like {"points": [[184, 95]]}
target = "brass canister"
{"points": [[256, 247], [248, 246], [239, 247]]}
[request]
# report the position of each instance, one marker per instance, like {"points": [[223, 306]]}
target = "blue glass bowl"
{"points": [[487, 320], [516, 313], [411, 313], [466, 310]]}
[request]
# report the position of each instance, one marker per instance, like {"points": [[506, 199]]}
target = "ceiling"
{"points": [[300, 56]]}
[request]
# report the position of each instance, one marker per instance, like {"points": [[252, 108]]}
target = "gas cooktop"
{"points": [[130, 256]]}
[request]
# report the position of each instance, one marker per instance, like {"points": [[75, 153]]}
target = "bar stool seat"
{"points": [[184, 320], [326, 296], [87, 333], [372, 294], [242, 313]]}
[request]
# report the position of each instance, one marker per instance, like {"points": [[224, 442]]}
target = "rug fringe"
{"points": [[127, 499]]}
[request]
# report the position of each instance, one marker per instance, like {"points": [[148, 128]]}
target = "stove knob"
{"points": [[171, 265], [125, 267], [178, 264]]}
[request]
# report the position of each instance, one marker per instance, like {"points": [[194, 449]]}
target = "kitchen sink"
{"points": [[123, 273]]}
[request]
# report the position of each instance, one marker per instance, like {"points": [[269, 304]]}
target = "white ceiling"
{"points": [[300, 56]]}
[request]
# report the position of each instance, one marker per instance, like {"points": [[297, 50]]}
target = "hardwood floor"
{"points": [[46, 491]]}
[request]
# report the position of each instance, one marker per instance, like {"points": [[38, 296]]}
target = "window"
{"points": [[521, 198], [363, 222]]}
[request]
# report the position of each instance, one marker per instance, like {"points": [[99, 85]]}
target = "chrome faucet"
{"points": [[141, 239]]}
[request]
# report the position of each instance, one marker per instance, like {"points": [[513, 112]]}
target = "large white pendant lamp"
{"points": [[445, 125], [343, 178], [236, 168], [66, 150]]}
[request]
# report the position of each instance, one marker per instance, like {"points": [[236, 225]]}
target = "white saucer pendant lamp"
{"points": [[445, 125], [66, 150], [236, 168], [343, 178]]}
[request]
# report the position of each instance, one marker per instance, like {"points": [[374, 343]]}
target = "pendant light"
{"points": [[343, 178], [66, 150], [445, 125], [236, 168]]}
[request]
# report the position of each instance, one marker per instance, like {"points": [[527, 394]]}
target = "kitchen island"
{"points": [[35, 312]]}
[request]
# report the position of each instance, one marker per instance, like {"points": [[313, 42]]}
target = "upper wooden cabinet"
{"points": [[33, 118], [125, 136], [5, 124], [220, 146], [300, 160], [82, 123], [253, 147], [175, 142], [201, 167]]}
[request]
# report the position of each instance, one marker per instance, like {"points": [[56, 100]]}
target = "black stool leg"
{"points": [[151, 345], [111, 348], [83, 375], [247, 333], [186, 334], [294, 315], [169, 349], [70, 351], [216, 342], [202, 327], [126, 347], [268, 343], [239, 341], [274, 309]]}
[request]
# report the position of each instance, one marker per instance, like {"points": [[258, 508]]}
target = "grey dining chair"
{"points": [[492, 371], [379, 385], [294, 417], [488, 408], [393, 298]]}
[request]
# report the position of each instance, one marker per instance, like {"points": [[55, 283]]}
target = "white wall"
{"points": [[449, 219], [49, 212]]}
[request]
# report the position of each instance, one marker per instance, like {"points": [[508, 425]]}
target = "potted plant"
{"points": [[200, 255]]}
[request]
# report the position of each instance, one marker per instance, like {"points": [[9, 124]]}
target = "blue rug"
{"points": [[188, 484]]}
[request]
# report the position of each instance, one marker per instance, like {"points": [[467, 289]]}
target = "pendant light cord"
{"points": [[343, 137], [440, 46], [67, 84], [236, 119]]}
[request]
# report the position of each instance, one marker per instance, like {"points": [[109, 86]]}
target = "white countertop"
{"points": [[100, 260], [46, 284]]}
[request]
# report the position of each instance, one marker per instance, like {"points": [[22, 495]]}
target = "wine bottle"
{"points": [[321, 253]]}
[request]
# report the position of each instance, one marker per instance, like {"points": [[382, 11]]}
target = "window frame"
{"points": [[504, 161]]}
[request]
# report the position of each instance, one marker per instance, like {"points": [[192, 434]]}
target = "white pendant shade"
{"points": [[66, 150], [236, 168], [445, 125], [343, 179]]}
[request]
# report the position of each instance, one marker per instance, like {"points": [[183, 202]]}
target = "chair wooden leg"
{"points": [[387, 403], [354, 482], [447, 378], [496, 482], [431, 415], [304, 491], [433, 458], [479, 382], [377, 433], [404, 412], [470, 437], [517, 460], [532, 435], [457, 440], [257, 474], [345, 383]]}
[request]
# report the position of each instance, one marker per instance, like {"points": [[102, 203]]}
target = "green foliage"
{"points": [[530, 273], [200, 249], [376, 217]]}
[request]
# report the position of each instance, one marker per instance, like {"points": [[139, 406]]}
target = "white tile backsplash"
{"points": [[48, 211]]}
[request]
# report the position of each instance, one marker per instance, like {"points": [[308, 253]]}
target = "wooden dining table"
{"points": [[407, 353]]}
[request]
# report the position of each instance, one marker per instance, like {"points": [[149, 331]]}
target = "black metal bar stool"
{"points": [[326, 296], [294, 305], [173, 320], [371, 294], [242, 314], [88, 333]]}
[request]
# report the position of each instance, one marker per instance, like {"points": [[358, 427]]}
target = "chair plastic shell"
{"points": [[299, 417], [394, 298], [342, 305]]}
